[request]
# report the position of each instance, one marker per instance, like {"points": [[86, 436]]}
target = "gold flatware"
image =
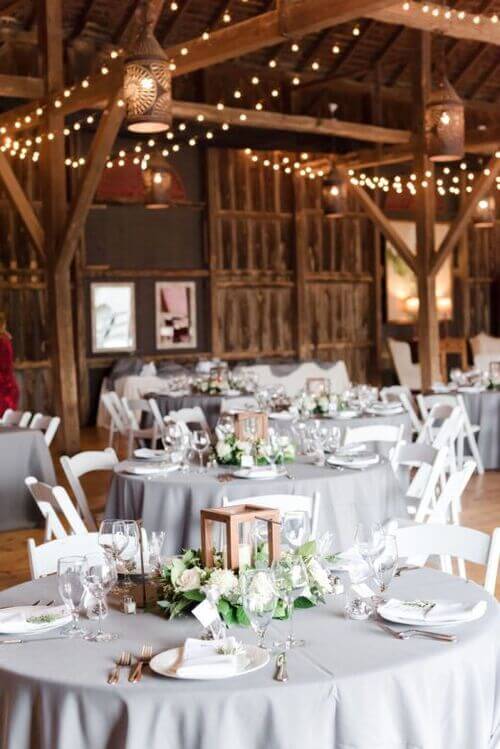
{"points": [[123, 661], [143, 658]]}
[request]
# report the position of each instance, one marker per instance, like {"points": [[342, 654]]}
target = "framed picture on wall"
{"points": [[401, 282], [112, 317], [176, 314]]}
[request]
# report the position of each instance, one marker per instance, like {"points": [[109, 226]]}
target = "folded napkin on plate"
{"points": [[200, 659], [145, 470], [347, 450], [147, 454], [386, 407], [19, 619], [261, 472], [361, 460], [433, 612]]}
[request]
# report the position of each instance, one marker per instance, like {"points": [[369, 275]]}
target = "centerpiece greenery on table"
{"points": [[229, 450], [183, 580], [210, 386]]}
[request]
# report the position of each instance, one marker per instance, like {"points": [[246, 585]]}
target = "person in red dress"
{"points": [[9, 390]]}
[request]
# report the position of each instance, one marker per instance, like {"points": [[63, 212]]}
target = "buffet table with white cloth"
{"points": [[484, 409], [23, 453], [172, 502], [352, 686]]}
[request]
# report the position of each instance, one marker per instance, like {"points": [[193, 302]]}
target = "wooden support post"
{"points": [[376, 107], [302, 317], [53, 190], [22, 205], [428, 330], [214, 247]]}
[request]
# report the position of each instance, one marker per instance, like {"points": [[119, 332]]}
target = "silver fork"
{"points": [[144, 657], [123, 661], [410, 633]]}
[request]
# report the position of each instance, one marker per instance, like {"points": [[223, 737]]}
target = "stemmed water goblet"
{"points": [[70, 571], [200, 440], [384, 565], [295, 528], [369, 539], [99, 575], [175, 440], [259, 598], [158, 550], [126, 542], [290, 579]]}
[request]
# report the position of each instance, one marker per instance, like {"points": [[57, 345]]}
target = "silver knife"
{"points": [[33, 639]]}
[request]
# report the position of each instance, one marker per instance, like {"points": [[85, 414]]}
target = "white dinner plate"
{"points": [[252, 475], [25, 628], [165, 663], [281, 415], [378, 411], [428, 624], [146, 453], [355, 461], [346, 414]]}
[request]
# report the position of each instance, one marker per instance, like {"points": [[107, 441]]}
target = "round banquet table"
{"points": [[172, 502], [211, 405], [351, 686], [484, 409]]}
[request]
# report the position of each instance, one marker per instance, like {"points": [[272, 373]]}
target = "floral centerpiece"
{"points": [[229, 450], [184, 580], [312, 403], [209, 385]]}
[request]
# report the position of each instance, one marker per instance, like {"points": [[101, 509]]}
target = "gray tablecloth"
{"points": [[173, 503], [484, 410], [210, 404], [351, 687], [23, 453]]}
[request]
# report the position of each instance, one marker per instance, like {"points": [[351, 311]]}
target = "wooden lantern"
{"points": [[250, 425], [318, 385], [232, 517]]}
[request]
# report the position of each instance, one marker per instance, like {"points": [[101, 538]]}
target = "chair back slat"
{"points": [[43, 558]]}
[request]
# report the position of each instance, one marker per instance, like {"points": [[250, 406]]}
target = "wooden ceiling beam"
{"points": [[82, 19], [414, 18], [461, 221], [294, 123], [382, 223], [22, 205], [174, 22], [20, 86]]}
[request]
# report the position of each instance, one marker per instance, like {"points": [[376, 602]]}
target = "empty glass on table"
{"points": [[295, 528], [99, 575], [290, 579], [200, 440], [126, 538], [259, 599], [385, 564], [70, 583]]}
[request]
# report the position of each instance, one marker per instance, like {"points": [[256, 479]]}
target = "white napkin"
{"points": [[145, 453], [145, 470], [14, 620], [281, 415], [262, 472], [386, 407], [355, 461], [347, 450], [471, 389], [200, 660], [436, 612]]}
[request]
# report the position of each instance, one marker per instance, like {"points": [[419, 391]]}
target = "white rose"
{"points": [[319, 576], [189, 579], [223, 450], [244, 447], [224, 580], [324, 403], [309, 403], [261, 592]]}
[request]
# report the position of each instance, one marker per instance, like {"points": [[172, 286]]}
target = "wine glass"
{"points": [[334, 439], [158, 550], [225, 423], [384, 565], [111, 545], [71, 589], [259, 598], [295, 528], [369, 539], [126, 545], [99, 576], [200, 440], [290, 579]]}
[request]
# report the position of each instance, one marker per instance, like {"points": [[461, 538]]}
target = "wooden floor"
{"points": [[481, 510]]}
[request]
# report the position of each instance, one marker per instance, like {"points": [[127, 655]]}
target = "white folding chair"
{"points": [[44, 500], [134, 431], [46, 424], [157, 416], [193, 415], [43, 558], [423, 491], [81, 464], [403, 395], [117, 420], [425, 404], [12, 418], [453, 541], [285, 503], [386, 433]]}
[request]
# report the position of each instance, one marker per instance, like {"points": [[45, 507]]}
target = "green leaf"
{"points": [[188, 556], [241, 617], [179, 607], [226, 611], [308, 549], [164, 604], [178, 568], [194, 595], [303, 603]]}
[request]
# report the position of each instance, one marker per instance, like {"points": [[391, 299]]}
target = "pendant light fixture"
{"points": [[157, 179], [147, 82], [334, 194], [484, 216], [444, 117]]}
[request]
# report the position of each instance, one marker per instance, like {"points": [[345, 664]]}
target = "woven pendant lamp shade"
{"points": [[444, 122], [157, 179], [334, 195], [485, 213]]}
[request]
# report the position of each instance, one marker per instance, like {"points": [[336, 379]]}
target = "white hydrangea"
{"points": [[244, 447], [225, 581], [324, 403], [223, 449]]}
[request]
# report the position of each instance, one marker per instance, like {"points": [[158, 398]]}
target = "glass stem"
{"points": [[261, 633], [99, 624], [75, 614], [290, 614]]}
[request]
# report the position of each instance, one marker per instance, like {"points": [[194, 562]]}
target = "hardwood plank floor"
{"points": [[481, 510]]}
